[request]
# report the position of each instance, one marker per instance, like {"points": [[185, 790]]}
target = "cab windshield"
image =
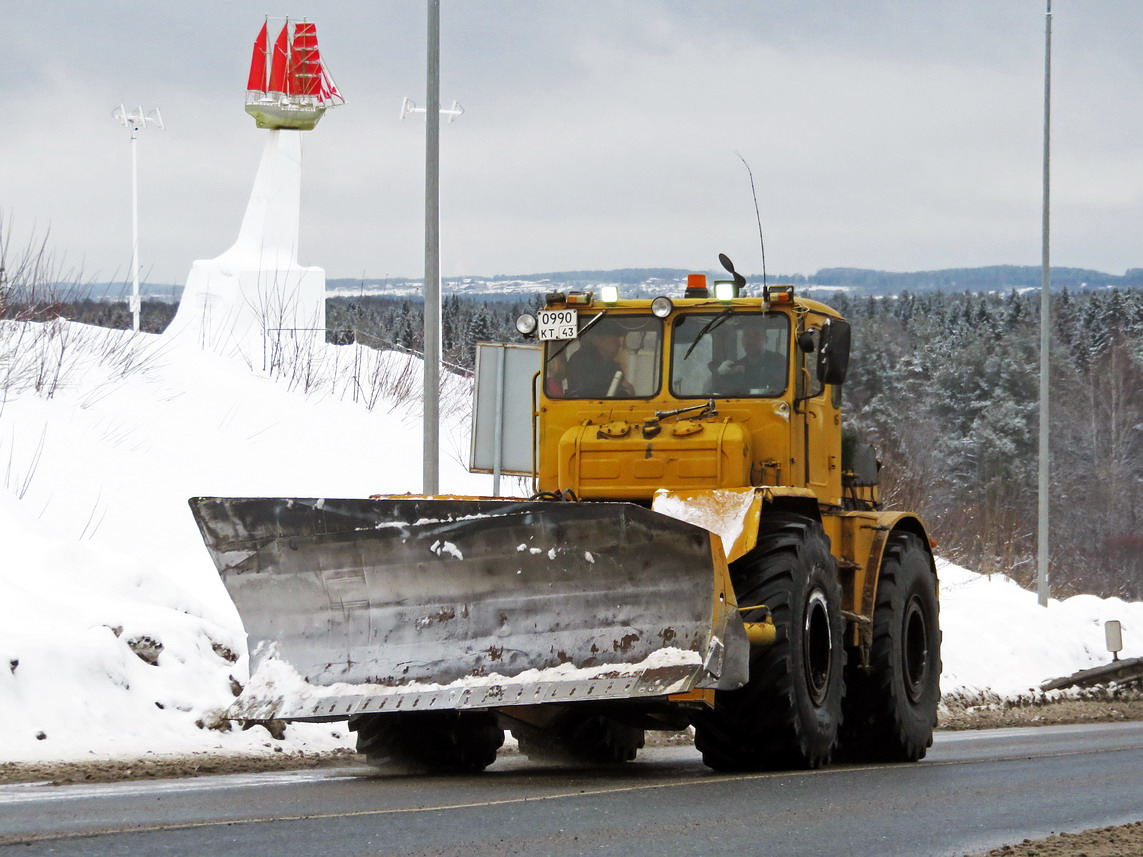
{"points": [[616, 357], [730, 354]]}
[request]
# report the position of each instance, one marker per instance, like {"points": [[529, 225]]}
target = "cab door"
{"points": [[817, 416]]}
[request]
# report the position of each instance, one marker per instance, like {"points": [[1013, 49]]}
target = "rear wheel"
{"points": [[893, 704], [788, 714], [464, 741]]}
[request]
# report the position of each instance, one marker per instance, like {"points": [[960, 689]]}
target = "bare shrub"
{"points": [[32, 278], [380, 374], [46, 357]]}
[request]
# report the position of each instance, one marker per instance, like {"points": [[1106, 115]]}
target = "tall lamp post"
{"points": [[1044, 482], [136, 121], [432, 335]]}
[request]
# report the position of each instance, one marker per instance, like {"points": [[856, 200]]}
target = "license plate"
{"points": [[557, 324]]}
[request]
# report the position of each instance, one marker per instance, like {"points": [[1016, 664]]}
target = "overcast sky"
{"points": [[893, 134]]}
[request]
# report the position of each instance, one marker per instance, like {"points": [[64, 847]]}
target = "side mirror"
{"points": [[833, 352]]}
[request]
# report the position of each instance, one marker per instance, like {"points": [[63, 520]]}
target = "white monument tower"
{"points": [[255, 297]]}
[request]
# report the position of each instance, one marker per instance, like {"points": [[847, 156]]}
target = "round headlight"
{"points": [[526, 324], [661, 307]]}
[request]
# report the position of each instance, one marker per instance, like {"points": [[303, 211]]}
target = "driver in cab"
{"points": [[594, 371]]}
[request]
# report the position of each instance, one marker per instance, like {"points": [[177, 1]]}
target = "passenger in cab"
{"points": [[757, 371]]}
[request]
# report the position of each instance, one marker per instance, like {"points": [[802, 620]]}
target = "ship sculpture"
{"points": [[289, 87], [255, 299]]}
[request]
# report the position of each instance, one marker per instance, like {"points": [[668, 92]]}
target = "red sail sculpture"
{"points": [[305, 64], [279, 81], [289, 86], [257, 80]]}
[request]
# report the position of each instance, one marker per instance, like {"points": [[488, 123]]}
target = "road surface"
{"points": [[975, 790]]}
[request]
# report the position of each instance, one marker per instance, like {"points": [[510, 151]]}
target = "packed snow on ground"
{"points": [[117, 638]]}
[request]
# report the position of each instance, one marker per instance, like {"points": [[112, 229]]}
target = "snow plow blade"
{"points": [[408, 603]]}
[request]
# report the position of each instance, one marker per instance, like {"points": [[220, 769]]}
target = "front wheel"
{"points": [[789, 712], [893, 703]]}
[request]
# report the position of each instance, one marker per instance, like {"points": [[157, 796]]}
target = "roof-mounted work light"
{"points": [[725, 290]]}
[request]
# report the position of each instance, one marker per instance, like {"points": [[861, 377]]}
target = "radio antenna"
{"points": [[754, 194]]}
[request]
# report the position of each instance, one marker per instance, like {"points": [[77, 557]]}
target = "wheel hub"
{"points": [[817, 658], [915, 651]]}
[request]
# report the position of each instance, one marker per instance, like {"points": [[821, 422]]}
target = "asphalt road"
{"points": [[975, 790]]}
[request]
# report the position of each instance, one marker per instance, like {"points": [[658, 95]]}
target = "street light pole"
{"points": [[432, 332], [136, 304], [1044, 481], [136, 121], [432, 335]]}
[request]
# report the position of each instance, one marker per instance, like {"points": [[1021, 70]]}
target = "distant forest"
{"points": [[946, 386], [651, 281], [384, 322], [1000, 278], [943, 382]]}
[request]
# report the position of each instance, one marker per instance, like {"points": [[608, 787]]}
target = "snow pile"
{"points": [[116, 635], [103, 438], [998, 640]]}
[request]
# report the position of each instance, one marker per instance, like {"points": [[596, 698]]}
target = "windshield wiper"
{"points": [[705, 410], [708, 327]]}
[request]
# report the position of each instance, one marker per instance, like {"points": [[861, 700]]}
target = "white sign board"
{"points": [[502, 406]]}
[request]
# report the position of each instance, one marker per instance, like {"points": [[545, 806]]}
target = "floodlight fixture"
{"points": [[453, 113], [725, 290]]}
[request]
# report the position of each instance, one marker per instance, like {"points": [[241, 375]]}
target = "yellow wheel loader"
{"points": [[704, 549]]}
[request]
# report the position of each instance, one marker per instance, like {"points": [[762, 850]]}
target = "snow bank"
{"points": [[100, 559], [998, 640]]}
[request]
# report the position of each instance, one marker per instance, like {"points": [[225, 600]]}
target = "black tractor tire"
{"points": [[592, 738], [892, 706], [457, 741], [788, 714]]}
